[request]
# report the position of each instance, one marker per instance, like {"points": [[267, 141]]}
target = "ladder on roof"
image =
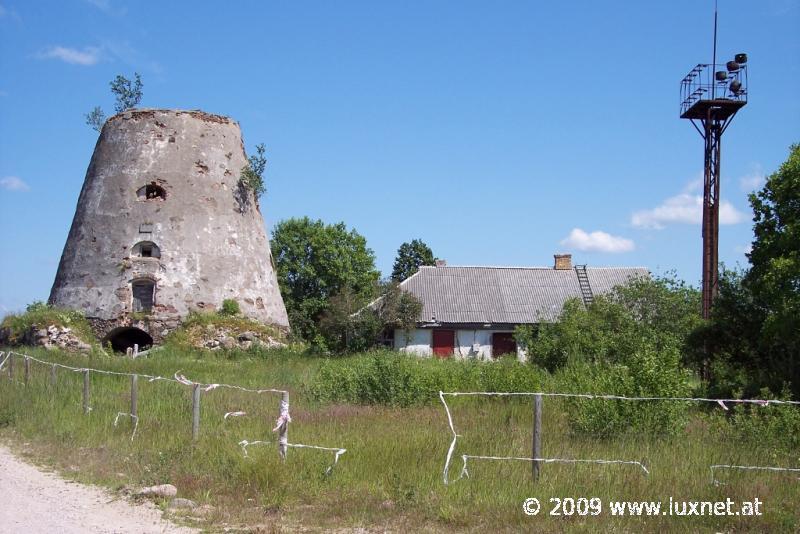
{"points": [[583, 282]]}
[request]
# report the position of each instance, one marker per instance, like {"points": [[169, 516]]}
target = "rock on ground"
{"points": [[162, 490]]}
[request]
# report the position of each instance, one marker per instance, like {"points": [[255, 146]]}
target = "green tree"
{"points": [[733, 337], [410, 257], [645, 314], [351, 325], [314, 261], [754, 331], [631, 341], [774, 277], [96, 118], [128, 93], [252, 175]]}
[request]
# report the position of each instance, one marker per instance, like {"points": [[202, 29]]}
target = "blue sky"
{"points": [[498, 132]]}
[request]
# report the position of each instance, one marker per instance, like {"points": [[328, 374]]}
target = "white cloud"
{"points": [[752, 181], [86, 57], [596, 241], [695, 185], [13, 183], [684, 208]]}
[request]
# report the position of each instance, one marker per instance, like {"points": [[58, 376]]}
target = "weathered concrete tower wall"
{"points": [[162, 226]]}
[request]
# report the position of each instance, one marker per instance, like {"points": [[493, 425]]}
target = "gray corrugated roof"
{"points": [[512, 295]]}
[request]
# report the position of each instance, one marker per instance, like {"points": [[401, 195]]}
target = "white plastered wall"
{"points": [[468, 343]]}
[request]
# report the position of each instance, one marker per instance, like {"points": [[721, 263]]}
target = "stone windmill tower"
{"points": [[164, 227]]}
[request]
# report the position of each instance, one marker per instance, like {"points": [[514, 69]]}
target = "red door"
{"points": [[443, 343], [503, 343]]}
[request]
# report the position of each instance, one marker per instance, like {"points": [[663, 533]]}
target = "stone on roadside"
{"points": [[162, 490], [178, 502]]}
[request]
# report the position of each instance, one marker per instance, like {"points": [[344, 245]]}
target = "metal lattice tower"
{"points": [[711, 94]]}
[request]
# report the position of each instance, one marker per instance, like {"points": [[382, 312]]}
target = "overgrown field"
{"points": [[383, 409]]}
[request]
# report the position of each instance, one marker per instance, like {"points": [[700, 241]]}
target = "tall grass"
{"points": [[391, 476]]}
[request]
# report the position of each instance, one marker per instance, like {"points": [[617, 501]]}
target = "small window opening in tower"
{"points": [[143, 295], [151, 191], [146, 249]]}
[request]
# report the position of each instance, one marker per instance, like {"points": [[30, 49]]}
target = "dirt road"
{"points": [[33, 502]]}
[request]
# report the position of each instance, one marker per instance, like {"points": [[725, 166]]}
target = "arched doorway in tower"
{"points": [[126, 337]]}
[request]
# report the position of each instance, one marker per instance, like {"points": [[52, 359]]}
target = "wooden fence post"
{"points": [[283, 430], [11, 366], [195, 411], [53, 375], [135, 395], [85, 391], [537, 436], [135, 350], [27, 370]]}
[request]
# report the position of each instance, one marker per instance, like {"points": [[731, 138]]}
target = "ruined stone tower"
{"points": [[163, 227]]}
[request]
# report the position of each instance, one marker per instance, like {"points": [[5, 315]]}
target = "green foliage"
{"points": [[644, 315], [631, 342], [252, 175], [230, 307], [127, 93], [410, 257], [754, 331], [96, 118], [645, 373], [391, 474], [315, 261], [344, 329], [733, 333], [348, 325], [394, 379], [776, 425], [774, 277], [39, 314]]}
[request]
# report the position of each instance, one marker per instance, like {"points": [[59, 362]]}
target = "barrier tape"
{"points": [[456, 435]]}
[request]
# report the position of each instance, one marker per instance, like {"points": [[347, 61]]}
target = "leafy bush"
{"points": [[774, 424], [644, 315], [646, 374], [348, 325], [127, 93], [395, 379], [230, 307], [252, 175]]}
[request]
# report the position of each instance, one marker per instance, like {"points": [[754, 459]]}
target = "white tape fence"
{"points": [[536, 460], [7, 360]]}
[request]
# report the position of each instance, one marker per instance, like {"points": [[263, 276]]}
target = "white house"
{"points": [[471, 312]]}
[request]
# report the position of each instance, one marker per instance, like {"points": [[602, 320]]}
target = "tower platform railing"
{"points": [[713, 91]]}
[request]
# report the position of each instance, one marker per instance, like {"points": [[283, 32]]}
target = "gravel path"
{"points": [[33, 501]]}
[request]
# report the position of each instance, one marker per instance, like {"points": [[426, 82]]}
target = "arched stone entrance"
{"points": [[126, 337]]}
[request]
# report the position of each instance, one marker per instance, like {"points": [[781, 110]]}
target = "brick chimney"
{"points": [[563, 261], [441, 263]]}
